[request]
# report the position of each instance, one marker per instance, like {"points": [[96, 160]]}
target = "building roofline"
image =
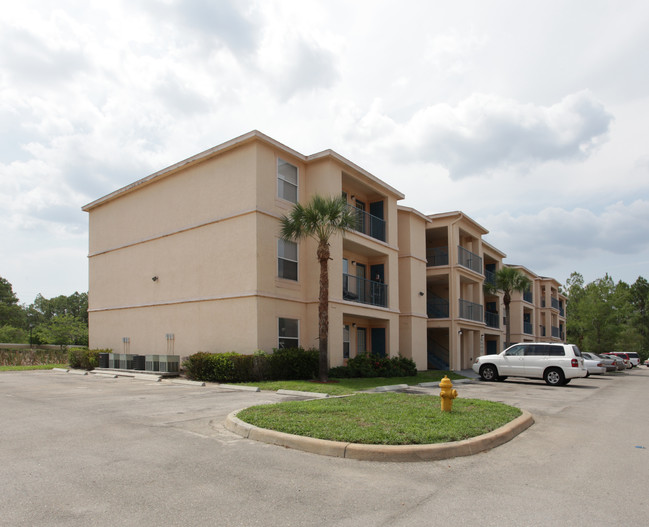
{"points": [[254, 135], [414, 212], [494, 249], [460, 215]]}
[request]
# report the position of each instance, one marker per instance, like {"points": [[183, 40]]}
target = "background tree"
{"points": [[508, 280], [11, 313], [320, 219]]}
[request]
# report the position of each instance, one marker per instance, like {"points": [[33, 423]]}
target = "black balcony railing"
{"points": [[492, 319], [468, 259], [471, 310], [437, 307], [528, 296], [368, 224], [490, 277], [527, 328], [555, 332], [437, 256], [364, 291], [555, 303]]}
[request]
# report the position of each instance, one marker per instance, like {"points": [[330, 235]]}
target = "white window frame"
{"points": [[279, 336], [281, 179], [281, 241]]}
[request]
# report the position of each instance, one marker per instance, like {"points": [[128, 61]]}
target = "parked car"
{"points": [[619, 361], [646, 363], [632, 357], [557, 364], [594, 366], [609, 364]]}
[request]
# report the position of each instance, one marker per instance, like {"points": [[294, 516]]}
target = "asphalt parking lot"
{"points": [[87, 450]]}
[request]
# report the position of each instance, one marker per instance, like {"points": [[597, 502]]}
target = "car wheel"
{"points": [[489, 372], [554, 377], [566, 381]]}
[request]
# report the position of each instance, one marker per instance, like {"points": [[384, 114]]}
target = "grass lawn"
{"points": [[36, 367], [382, 418], [349, 386]]}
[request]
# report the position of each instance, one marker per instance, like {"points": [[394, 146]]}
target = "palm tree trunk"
{"points": [[323, 312]]}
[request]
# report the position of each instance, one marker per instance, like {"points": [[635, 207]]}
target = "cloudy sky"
{"points": [[530, 116]]}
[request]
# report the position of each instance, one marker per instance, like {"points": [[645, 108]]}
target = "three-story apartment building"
{"points": [[190, 258]]}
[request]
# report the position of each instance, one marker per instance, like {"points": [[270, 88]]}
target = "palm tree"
{"points": [[320, 219], [507, 280]]}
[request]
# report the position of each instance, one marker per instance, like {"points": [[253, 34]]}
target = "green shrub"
{"points": [[284, 364], [288, 364], [85, 359], [368, 365], [210, 367]]}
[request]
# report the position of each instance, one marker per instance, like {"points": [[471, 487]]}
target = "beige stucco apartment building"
{"points": [[190, 259]]}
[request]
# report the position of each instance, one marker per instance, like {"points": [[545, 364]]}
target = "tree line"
{"points": [[61, 320], [606, 316]]}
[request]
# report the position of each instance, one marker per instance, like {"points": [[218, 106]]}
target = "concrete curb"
{"points": [[78, 372], [398, 453], [242, 388], [189, 383], [312, 395], [60, 370], [107, 375], [391, 388]]}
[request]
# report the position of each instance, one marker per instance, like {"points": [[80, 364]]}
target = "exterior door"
{"points": [[378, 342]]}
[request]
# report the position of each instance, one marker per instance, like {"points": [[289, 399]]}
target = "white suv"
{"points": [[557, 364]]}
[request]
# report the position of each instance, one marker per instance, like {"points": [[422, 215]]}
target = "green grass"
{"points": [[35, 367], [382, 418], [349, 386]]}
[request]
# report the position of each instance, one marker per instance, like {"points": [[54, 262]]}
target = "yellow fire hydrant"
{"points": [[447, 394]]}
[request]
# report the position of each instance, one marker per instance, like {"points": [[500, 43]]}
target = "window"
{"points": [[286, 181], [288, 333], [361, 339], [345, 342], [287, 259]]}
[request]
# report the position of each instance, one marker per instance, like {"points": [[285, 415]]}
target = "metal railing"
{"points": [[490, 277], [555, 303], [555, 332], [492, 319], [528, 296], [471, 310], [468, 259], [437, 307], [437, 256], [527, 328], [368, 224], [356, 289]]}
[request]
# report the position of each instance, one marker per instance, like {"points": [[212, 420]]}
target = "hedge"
{"points": [[282, 364], [367, 365]]}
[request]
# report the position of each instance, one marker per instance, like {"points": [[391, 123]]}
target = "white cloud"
{"points": [[485, 132]]}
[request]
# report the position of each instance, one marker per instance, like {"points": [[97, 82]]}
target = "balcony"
{"points": [[555, 332], [528, 296], [356, 289], [492, 319], [555, 303], [490, 278], [437, 307], [367, 223], [471, 310], [469, 260], [436, 256], [527, 328]]}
